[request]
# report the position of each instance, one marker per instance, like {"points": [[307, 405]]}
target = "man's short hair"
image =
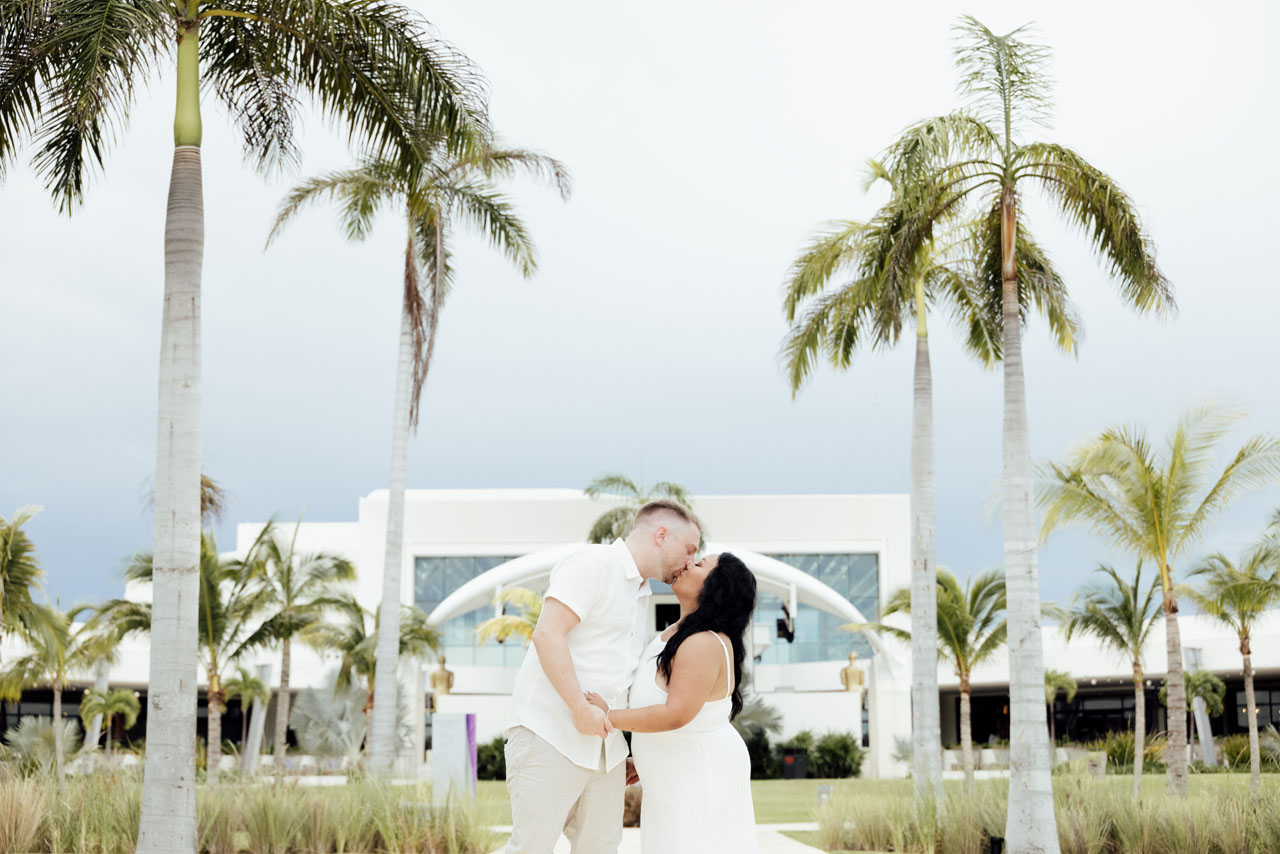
{"points": [[654, 510]]}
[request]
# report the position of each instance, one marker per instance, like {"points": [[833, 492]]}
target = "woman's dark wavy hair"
{"points": [[725, 604]]}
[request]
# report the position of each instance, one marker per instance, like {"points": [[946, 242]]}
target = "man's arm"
{"points": [[551, 640]]}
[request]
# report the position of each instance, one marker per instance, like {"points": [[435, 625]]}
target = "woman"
{"points": [[692, 762]]}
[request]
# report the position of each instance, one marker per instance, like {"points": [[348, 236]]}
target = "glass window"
{"points": [[434, 578], [817, 633]]}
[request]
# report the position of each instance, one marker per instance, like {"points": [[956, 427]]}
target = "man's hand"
{"points": [[633, 776], [596, 700], [590, 720]]}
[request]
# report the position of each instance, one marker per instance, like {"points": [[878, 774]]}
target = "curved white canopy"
{"points": [[772, 576]]}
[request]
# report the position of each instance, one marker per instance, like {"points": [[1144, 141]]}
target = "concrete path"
{"points": [[769, 839]]}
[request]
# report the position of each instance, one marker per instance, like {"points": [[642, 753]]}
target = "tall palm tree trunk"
{"points": [[59, 748], [213, 737], [282, 709], [1139, 728], [1175, 755], [1251, 715], [1031, 824], [383, 726], [966, 733], [168, 815], [926, 726]]}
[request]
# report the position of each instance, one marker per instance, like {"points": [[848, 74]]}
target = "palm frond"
{"points": [[1092, 200], [1005, 75], [361, 193]]}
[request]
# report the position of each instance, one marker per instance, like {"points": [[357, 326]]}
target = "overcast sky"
{"points": [[707, 140]]}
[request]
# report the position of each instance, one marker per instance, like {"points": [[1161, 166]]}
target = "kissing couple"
{"points": [[591, 674]]}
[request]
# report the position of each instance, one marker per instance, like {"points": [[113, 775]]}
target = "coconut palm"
{"points": [[1120, 614], [615, 523], [67, 83], [246, 687], [1057, 682], [353, 634], [506, 625], [293, 586], [20, 572], [437, 190], [971, 628], [1210, 690], [989, 163], [109, 705], [1155, 503], [56, 652], [880, 298], [1237, 595], [229, 604]]}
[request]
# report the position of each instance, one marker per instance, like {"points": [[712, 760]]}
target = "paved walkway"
{"points": [[769, 839]]}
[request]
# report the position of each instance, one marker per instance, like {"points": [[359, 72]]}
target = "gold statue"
{"points": [[441, 679], [852, 676]]}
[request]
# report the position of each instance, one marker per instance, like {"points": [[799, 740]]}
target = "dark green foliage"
{"points": [[491, 760], [1235, 749], [836, 755]]}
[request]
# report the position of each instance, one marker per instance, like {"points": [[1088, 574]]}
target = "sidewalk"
{"points": [[769, 839]]}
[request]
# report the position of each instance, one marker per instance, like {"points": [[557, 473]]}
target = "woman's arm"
{"points": [[693, 675]]}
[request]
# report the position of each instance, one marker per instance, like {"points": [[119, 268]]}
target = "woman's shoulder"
{"points": [[702, 644]]}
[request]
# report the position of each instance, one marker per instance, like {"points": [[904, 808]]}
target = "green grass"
{"points": [[776, 801]]}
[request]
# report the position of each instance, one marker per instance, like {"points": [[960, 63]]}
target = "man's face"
{"points": [[677, 548]]}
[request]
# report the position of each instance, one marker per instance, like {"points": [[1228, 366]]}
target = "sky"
{"points": [[707, 141]]}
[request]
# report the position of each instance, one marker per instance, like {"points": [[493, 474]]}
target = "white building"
{"points": [[829, 559]]}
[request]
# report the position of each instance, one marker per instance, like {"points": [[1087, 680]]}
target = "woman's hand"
{"points": [[596, 700]]}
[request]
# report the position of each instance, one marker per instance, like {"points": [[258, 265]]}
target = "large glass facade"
{"points": [[434, 578], [817, 633]]}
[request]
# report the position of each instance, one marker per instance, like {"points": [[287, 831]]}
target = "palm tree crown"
{"points": [[615, 523], [75, 65]]}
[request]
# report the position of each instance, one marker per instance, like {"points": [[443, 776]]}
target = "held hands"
{"points": [[596, 700], [589, 719]]}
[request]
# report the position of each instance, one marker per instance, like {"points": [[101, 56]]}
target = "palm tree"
{"points": [[988, 164], [1209, 689], [56, 652], [109, 705], [19, 572], [1121, 615], [229, 603], [247, 688], [437, 189], [615, 523], [1155, 503], [971, 628], [1237, 595], [506, 625], [1057, 682], [872, 308], [68, 82], [293, 586], [354, 636]]}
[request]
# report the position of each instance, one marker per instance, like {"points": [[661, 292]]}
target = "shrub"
{"points": [[836, 754], [1235, 748], [763, 764], [491, 760], [1119, 749]]}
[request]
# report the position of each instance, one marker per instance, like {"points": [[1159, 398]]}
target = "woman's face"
{"points": [[687, 584]]}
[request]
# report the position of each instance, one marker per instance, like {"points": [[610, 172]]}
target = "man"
{"points": [[567, 767]]}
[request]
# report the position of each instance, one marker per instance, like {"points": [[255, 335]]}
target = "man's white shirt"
{"points": [[603, 586]]}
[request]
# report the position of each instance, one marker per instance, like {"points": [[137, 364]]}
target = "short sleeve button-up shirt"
{"points": [[603, 586]]}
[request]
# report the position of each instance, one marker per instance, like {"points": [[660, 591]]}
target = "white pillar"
{"points": [[888, 718], [257, 723]]}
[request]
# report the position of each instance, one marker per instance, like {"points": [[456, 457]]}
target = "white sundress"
{"points": [[696, 779]]}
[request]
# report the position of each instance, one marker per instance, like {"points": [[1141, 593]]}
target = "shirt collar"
{"points": [[628, 562]]}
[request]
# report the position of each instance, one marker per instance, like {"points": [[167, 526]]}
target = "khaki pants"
{"points": [[550, 795]]}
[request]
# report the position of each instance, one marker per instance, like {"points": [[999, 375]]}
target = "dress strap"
{"points": [[728, 664]]}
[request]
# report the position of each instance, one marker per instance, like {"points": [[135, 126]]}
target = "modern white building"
{"points": [[821, 561]]}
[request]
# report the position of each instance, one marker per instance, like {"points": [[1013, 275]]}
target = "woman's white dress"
{"points": [[696, 779]]}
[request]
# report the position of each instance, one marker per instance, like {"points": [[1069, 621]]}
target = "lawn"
{"points": [[776, 801]]}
